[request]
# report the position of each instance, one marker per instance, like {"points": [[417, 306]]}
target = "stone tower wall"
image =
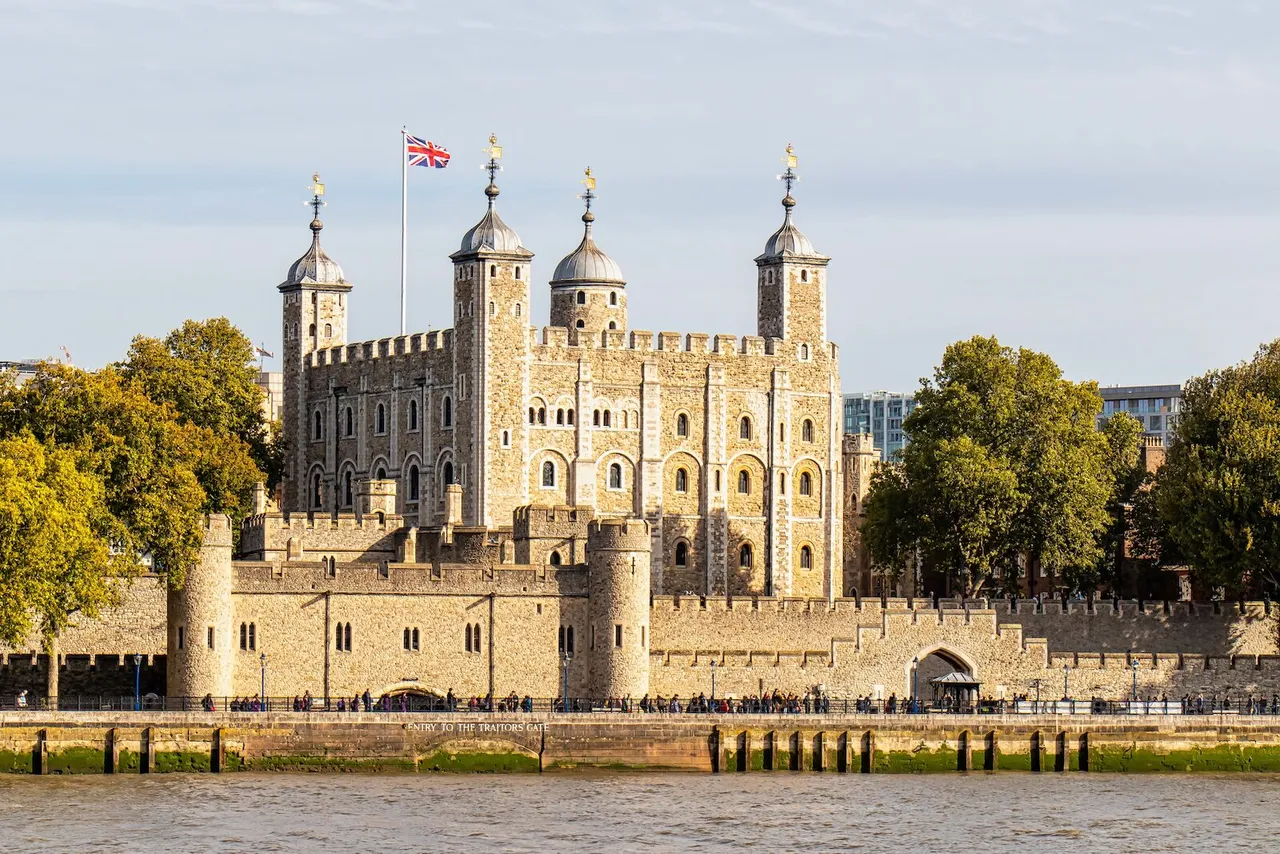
{"points": [[604, 304], [618, 609], [860, 458], [199, 620]]}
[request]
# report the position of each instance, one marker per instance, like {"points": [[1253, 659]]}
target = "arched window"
{"points": [[806, 431], [351, 422], [806, 557], [319, 426], [475, 636], [548, 473], [346, 488], [346, 638], [682, 425], [582, 299], [493, 308], [804, 275], [381, 474], [312, 330], [782, 483], [493, 270], [744, 556], [682, 553], [317, 496], [625, 421], [253, 636], [414, 486], [407, 637], [570, 414], [555, 559], [682, 480], [415, 639], [580, 324], [595, 418], [744, 428], [328, 330], [517, 309], [533, 415], [448, 473], [568, 637], [446, 414], [337, 638], [413, 415], [468, 635], [542, 415], [244, 636], [381, 420], [717, 480], [517, 271], [806, 483], [744, 482], [804, 351], [560, 416], [613, 325], [613, 297], [782, 432], [615, 476], [606, 418]]}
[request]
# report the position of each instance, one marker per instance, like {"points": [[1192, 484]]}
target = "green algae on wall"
{"points": [[12, 762], [127, 762], [327, 763], [480, 763], [181, 760], [76, 760], [1013, 761], [1130, 758], [918, 761]]}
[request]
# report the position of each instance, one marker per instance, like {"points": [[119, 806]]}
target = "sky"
{"points": [[1094, 179]]}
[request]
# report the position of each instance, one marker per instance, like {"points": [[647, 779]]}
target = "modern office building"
{"points": [[24, 369], [1155, 406], [880, 414]]}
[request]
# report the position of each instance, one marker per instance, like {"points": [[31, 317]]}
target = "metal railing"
{"points": [[512, 704]]}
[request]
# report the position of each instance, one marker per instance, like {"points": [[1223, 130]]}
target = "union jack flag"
{"points": [[422, 152]]}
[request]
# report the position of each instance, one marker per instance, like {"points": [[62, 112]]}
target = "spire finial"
{"points": [[492, 167], [588, 196], [789, 177], [316, 203]]}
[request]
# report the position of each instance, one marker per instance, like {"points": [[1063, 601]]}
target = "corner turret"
{"points": [[791, 278], [199, 659], [618, 606], [588, 293]]}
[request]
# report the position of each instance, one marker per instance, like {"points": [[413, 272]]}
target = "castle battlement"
{"points": [[309, 577], [644, 341], [625, 535]]}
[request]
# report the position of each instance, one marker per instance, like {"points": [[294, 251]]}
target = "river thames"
{"points": [[648, 812]]}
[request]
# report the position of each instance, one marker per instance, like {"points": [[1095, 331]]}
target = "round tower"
{"points": [[618, 606], [199, 617], [588, 293]]}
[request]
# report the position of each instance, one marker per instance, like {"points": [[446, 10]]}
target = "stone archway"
{"points": [[936, 660], [412, 696]]}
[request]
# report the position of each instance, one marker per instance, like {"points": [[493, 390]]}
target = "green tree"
{"points": [[1128, 478], [1005, 466], [54, 530], [1218, 493], [205, 371]]}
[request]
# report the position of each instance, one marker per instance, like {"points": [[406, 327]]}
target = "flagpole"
{"points": [[404, 229]]}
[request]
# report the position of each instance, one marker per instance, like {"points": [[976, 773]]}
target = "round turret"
{"points": [[200, 653], [588, 292], [618, 606]]}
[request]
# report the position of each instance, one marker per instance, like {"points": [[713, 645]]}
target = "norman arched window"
{"points": [[380, 422], [682, 553], [467, 633], [517, 309], [318, 432], [607, 418], [533, 415], [595, 418], [317, 495], [560, 416], [581, 324], [806, 430], [613, 325], [517, 271], [570, 415], [542, 415], [682, 425], [744, 428], [493, 270], [349, 417], [744, 556], [615, 476], [804, 351], [806, 557], [555, 559], [582, 299], [337, 638], [413, 415], [804, 275], [682, 480], [328, 330], [548, 473], [806, 483], [414, 485], [744, 482], [475, 636], [346, 638], [446, 412], [346, 488], [493, 309], [447, 474], [613, 297]]}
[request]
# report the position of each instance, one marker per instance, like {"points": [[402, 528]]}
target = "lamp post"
{"points": [[1036, 683], [137, 681], [1134, 665], [1066, 692], [713, 678], [564, 668], [263, 659], [915, 685]]}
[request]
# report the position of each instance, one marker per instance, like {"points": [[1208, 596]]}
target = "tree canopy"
{"points": [[1004, 468], [1218, 494]]}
